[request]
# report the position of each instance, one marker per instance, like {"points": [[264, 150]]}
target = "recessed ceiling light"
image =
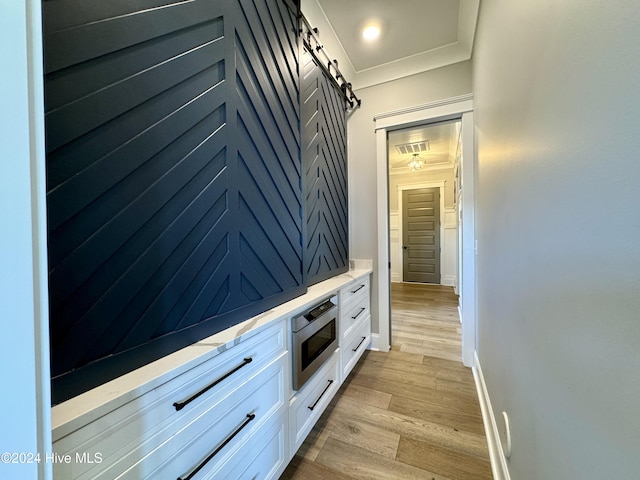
{"points": [[371, 33]]}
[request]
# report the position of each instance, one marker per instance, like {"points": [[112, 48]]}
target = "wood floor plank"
{"points": [[430, 351], [364, 465], [395, 355], [406, 377], [441, 371], [444, 415], [444, 364], [418, 323], [410, 426], [455, 401], [443, 461], [408, 338], [303, 469], [367, 396], [365, 435], [456, 386], [388, 386]]}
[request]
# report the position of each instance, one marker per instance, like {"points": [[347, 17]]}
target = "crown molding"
{"points": [[459, 51]]}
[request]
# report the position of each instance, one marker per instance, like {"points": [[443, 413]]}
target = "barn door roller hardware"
{"points": [[310, 37]]}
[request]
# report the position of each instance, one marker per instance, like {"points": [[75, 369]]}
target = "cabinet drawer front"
{"points": [[127, 434], [227, 371], [312, 399], [358, 288], [263, 457], [208, 442], [355, 346], [352, 314]]}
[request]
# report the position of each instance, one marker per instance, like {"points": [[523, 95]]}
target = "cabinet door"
{"points": [[324, 159], [173, 176]]}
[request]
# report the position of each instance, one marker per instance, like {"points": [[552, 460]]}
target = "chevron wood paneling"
{"points": [[324, 154], [173, 176]]}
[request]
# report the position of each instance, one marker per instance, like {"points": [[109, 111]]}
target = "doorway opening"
{"points": [[455, 108], [423, 238], [423, 161]]}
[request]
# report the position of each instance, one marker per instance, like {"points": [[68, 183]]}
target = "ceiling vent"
{"points": [[415, 147]]}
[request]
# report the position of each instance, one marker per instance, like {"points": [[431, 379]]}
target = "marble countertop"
{"points": [[87, 407]]}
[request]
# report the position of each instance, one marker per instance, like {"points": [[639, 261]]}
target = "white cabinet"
{"points": [[354, 346], [264, 457], [354, 336], [207, 443], [199, 420], [355, 290], [355, 323], [311, 400]]}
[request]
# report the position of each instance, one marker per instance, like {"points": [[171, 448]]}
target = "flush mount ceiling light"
{"points": [[371, 32], [416, 163]]}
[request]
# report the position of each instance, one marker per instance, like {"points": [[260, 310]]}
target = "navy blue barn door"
{"points": [[324, 159], [173, 176]]}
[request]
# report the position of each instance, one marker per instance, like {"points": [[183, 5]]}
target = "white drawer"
{"points": [[355, 346], [126, 435], [208, 443], [354, 290], [351, 314], [312, 399], [263, 457]]}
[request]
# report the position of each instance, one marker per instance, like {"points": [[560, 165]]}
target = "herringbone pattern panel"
{"points": [[173, 176], [325, 172]]}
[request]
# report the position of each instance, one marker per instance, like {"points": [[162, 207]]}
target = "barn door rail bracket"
{"points": [[311, 40]]}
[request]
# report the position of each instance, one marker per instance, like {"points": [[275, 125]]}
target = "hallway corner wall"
{"points": [[24, 354], [557, 106]]}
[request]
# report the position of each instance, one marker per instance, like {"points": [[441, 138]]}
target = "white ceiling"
{"points": [[417, 35], [408, 27], [443, 142]]}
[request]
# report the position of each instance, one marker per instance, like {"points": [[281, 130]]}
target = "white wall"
{"points": [[422, 177], [557, 109], [446, 82], [24, 353]]}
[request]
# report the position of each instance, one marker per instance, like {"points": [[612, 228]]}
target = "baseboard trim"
{"points": [[375, 343], [499, 465], [448, 280]]}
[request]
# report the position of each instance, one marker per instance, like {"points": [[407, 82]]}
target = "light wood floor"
{"points": [[411, 413]]}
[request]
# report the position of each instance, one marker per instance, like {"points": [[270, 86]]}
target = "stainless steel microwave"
{"points": [[315, 338]]}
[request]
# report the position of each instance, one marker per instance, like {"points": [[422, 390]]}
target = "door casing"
{"points": [[448, 109]]}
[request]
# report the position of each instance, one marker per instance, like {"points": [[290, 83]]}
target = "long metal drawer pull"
{"points": [[180, 405], [311, 407], [359, 288], [358, 314], [363, 339], [250, 416]]}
